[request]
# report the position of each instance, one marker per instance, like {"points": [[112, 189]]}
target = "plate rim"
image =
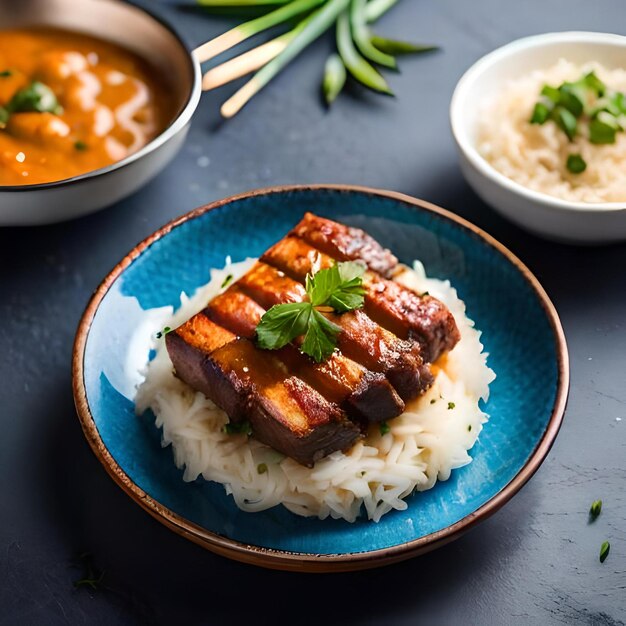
{"points": [[301, 561]]}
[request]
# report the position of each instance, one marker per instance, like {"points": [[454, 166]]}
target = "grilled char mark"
{"points": [[361, 340], [422, 319], [284, 412], [345, 243], [364, 395]]}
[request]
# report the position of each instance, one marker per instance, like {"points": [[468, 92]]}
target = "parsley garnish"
{"points": [[227, 281], [604, 551], [384, 428], [451, 405], [81, 146], [338, 288], [6, 73], [36, 97], [261, 468], [163, 332]]}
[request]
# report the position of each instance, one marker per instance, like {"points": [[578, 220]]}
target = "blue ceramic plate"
{"points": [[507, 303]]}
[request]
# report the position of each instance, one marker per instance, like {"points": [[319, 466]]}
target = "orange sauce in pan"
{"points": [[110, 105]]}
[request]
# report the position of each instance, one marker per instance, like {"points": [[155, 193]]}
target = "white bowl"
{"points": [[562, 220], [138, 31]]}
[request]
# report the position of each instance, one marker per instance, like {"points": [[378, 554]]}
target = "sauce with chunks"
{"points": [[71, 103]]}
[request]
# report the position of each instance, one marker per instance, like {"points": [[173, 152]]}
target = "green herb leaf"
{"points": [[321, 337], [541, 113], [384, 428], [565, 121], [604, 551], [227, 281], [592, 82], [576, 164], [36, 97], [282, 324], [4, 117], [238, 428], [572, 97], [261, 468], [603, 128], [595, 509], [552, 93], [433, 401], [339, 287], [6, 73], [163, 332], [469, 428], [81, 146], [451, 405]]}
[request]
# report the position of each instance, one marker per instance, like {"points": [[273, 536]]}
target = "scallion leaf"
{"points": [[576, 164], [334, 78], [596, 509], [541, 113], [604, 551]]}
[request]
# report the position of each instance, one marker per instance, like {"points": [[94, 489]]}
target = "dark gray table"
{"points": [[536, 561]]}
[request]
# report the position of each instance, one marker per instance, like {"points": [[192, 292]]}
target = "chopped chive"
{"points": [[6, 73], [576, 164], [595, 510], [80, 145], [603, 128], [227, 281], [565, 121], [384, 428], [163, 332], [604, 551], [451, 405], [261, 468], [469, 428], [541, 113], [433, 401], [552, 93]]}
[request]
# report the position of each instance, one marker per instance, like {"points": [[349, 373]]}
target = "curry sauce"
{"points": [[71, 103]]}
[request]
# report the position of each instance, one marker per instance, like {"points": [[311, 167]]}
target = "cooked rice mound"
{"points": [[535, 156], [424, 444]]}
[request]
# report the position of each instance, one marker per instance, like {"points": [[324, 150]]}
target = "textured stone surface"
{"points": [[534, 562]]}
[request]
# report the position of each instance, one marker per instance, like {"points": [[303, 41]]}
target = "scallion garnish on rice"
{"points": [[586, 100]]}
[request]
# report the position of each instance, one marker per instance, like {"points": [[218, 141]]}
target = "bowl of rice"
{"points": [[544, 168]]}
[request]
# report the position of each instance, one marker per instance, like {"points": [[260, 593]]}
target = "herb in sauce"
{"points": [[451, 405], [6, 73], [384, 428], [81, 146], [261, 468], [36, 97], [227, 281], [338, 288]]}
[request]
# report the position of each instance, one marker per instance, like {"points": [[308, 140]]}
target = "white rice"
{"points": [[535, 155], [430, 439]]}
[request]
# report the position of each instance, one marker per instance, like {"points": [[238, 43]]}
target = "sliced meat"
{"points": [[361, 340], [423, 319], [365, 395], [249, 384], [345, 243], [381, 351]]}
